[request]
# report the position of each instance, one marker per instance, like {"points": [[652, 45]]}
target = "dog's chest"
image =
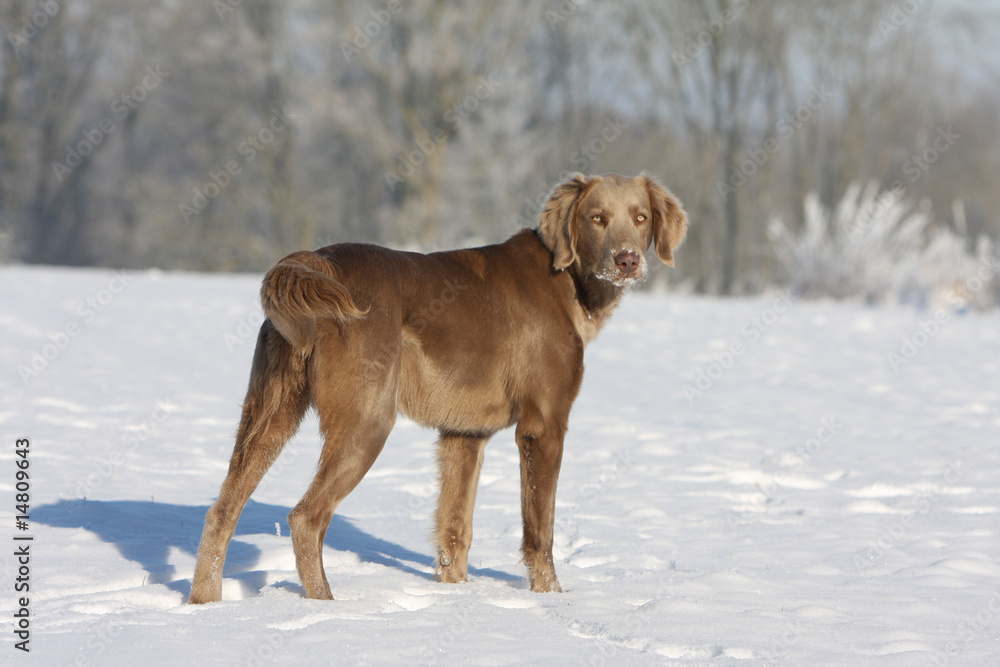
{"points": [[465, 392]]}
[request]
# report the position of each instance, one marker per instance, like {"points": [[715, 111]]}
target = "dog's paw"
{"points": [[544, 582], [450, 571], [201, 595]]}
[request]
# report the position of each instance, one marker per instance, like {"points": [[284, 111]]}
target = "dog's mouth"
{"points": [[612, 273]]}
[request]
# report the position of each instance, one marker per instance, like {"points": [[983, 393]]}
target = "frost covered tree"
{"points": [[411, 82], [877, 246], [432, 123]]}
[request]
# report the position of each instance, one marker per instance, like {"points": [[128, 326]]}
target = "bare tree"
{"points": [[433, 123], [43, 131], [410, 78], [719, 66]]}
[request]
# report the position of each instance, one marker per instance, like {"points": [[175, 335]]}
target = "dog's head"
{"points": [[603, 225]]}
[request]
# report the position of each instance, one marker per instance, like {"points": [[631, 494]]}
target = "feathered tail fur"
{"points": [[300, 289]]}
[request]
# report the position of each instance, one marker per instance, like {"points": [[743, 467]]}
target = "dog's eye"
{"points": [[640, 218], [599, 219]]}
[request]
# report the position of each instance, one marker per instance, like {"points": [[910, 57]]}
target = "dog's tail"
{"points": [[302, 288]]}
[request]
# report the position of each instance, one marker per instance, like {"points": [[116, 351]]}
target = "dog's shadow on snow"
{"points": [[146, 532]]}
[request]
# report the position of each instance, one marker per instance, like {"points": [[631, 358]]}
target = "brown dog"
{"points": [[468, 341]]}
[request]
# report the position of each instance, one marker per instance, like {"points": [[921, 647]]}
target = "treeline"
{"points": [[221, 135]]}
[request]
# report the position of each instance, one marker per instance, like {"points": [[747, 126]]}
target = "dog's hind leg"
{"points": [[347, 456], [276, 401], [355, 394], [460, 458]]}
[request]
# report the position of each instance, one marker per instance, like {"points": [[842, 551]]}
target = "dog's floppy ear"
{"points": [[557, 221], [669, 220]]}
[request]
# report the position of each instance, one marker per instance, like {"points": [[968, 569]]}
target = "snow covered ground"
{"points": [[745, 482]]}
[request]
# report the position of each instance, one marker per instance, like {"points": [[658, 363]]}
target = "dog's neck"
{"points": [[597, 300], [597, 296]]}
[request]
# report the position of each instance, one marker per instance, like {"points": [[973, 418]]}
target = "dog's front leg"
{"points": [[460, 458], [540, 446]]}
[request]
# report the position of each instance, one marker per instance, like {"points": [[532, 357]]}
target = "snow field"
{"points": [[803, 501]]}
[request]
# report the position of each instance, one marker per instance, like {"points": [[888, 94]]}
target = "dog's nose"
{"points": [[627, 262]]}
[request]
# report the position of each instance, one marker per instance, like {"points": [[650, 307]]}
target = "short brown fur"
{"points": [[467, 341]]}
